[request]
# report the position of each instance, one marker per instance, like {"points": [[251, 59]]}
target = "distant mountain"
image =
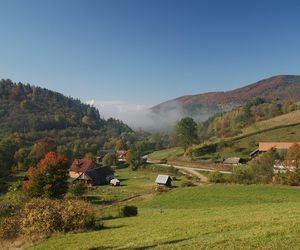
{"points": [[203, 106]]}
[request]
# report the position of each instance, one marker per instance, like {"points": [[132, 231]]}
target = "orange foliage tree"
{"points": [[49, 178]]}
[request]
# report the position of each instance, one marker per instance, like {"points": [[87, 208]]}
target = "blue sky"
{"points": [[147, 51]]}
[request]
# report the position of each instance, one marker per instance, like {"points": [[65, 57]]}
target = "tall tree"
{"points": [[186, 129], [49, 178], [134, 155]]}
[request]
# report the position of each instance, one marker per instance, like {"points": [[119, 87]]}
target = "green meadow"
{"points": [[203, 217]]}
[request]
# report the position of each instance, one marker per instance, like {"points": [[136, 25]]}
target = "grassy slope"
{"points": [[170, 153], [245, 145], [282, 120], [217, 216], [281, 128]]}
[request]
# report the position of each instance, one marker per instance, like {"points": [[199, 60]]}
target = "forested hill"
{"points": [[203, 106], [34, 121], [25, 108]]}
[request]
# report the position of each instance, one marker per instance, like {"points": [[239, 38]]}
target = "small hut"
{"points": [[164, 180], [232, 161], [115, 182]]}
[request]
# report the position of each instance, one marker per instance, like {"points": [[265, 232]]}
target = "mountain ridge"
{"points": [[207, 104]]}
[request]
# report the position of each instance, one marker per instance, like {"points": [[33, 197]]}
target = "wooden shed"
{"points": [[164, 180], [232, 161]]}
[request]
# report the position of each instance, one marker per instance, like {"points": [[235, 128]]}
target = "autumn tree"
{"points": [[134, 155], [110, 159], [48, 178], [120, 144], [186, 129], [40, 149], [292, 162]]}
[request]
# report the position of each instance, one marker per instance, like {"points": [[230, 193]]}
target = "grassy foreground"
{"points": [[210, 217]]}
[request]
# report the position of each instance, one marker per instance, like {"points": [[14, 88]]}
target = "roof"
{"points": [[162, 179], [97, 175], [232, 160], [265, 146], [122, 153], [81, 165], [254, 152]]}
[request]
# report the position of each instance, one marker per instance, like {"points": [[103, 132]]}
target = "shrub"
{"points": [[128, 211], [242, 175], [77, 189], [262, 169], [41, 215], [216, 177], [187, 184], [9, 228], [161, 188], [77, 215], [48, 216], [6, 210]]}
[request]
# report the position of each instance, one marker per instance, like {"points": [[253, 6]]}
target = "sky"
{"points": [[125, 55]]}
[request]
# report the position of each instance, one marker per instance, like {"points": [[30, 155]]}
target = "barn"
{"points": [[96, 176]]}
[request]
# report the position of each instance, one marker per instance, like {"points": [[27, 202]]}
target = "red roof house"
{"points": [[80, 166]]}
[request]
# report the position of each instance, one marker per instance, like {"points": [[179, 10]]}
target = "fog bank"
{"points": [[140, 116]]}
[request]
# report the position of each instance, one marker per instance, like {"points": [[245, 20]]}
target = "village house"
{"points": [[96, 176], [266, 146], [80, 166], [122, 155], [164, 180]]}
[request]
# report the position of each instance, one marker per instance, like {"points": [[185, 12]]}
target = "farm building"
{"points": [[266, 146], [96, 176], [164, 180], [80, 166], [232, 161], [122, 154]]}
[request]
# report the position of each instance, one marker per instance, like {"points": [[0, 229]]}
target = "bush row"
{"points": [[47, 216]]}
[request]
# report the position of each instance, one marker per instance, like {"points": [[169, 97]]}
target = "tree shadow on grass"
{"points": [[122, 165], [155, 245], [97, 200], [123, 179], [99, 248]]}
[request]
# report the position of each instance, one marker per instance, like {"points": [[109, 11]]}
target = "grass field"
{"points": [[170, 153], [210, 217], [133, 183], [281, 120]]}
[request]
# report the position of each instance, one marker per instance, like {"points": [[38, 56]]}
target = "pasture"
{"points": [[208, 217]]}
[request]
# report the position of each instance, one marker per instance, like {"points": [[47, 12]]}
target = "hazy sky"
{"points": [[143, 52]]}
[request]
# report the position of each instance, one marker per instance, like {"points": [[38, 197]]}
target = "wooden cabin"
{"points": [[96, 176], [80, 166]]}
